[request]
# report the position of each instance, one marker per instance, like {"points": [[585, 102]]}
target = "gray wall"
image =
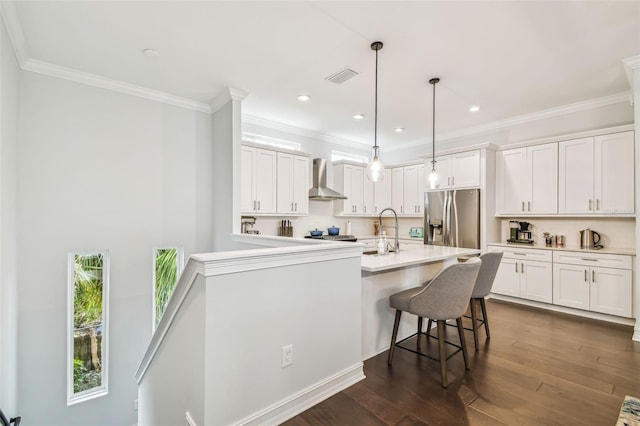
{"points": [[100, 170], [8, 211]]}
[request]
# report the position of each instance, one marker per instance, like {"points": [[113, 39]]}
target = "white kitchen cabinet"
{"points": [[460, 170], [349, 179], [596, 175], [524, 273], [407, 190], [397, 189], [527, 180], [595, 282], [258, 180], [382, 192], [292, 184], [368, 197]]}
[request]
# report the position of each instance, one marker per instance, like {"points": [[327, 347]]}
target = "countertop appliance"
{"points": [[349, 238], [590, 239], [246, 225], [519, 232], [452, 218]]}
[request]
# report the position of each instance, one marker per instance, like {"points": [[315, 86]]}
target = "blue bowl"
{"points": [[316, 233], [333, 230]]}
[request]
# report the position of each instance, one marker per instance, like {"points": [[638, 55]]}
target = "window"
{"points": [[167, 266], [339, 155], [88, 306]]}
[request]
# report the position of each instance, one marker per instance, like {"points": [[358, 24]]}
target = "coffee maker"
{"points": [[519, 232]]}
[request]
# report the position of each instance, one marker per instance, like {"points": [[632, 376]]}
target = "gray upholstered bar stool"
{"points": [[445, 297], [484, 282]]}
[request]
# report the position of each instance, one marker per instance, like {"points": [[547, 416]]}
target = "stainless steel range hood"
{"points": [[319, 190]]}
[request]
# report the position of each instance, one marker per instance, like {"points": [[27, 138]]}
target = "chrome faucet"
{"points": [[396, 243]]}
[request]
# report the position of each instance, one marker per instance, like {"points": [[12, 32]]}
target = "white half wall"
{"points": [[8, 215], [100, 170]]}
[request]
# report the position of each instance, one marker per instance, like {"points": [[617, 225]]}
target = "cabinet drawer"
{"points": [[592, 259], [523, 253]]}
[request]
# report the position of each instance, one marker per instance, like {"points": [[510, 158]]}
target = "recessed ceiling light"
{"points": [[151, 52], [358, 116], [474, 108], [303, 98], [398, 129]]}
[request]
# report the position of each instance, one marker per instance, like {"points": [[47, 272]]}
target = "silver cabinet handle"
{"points": [[586, 278], [516, 267], [593, 276], [254, 205], [296, 204], [375, 209], [364, 209], [401, 209], [523, 206], [519, 254], [258, 205], [589, 203], [590, 260], [453, 180], [522, 268], [597, 204], [291, 206], [528, 206]]}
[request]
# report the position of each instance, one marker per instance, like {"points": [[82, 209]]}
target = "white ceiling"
{"points": [[509, 57]]}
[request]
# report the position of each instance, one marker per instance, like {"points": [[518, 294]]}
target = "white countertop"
{"points": [[605, 250], [412, 256]]}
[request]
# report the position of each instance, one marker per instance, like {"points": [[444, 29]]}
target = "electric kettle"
{"points": [[590, 239]]}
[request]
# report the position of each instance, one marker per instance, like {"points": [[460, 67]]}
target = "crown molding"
{"points": [[14, 29], [114, 85], [230, 94], [631, 64], [286, 128], [523, 119]]}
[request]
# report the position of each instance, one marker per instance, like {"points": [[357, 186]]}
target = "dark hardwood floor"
{"points": [[538, 368]]}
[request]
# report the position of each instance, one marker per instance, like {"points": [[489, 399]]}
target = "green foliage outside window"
{"points": [[166, 264]]}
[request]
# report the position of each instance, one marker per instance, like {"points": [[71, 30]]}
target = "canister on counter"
{"points": [[560, 241]]}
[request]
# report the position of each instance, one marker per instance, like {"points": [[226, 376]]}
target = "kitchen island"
{"points": [[387, 274]]}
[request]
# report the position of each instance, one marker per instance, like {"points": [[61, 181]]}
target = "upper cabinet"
{"points": [[258, 180], [527, 180], [364, 198], [596, 175], [408, 185], [459, 170], [293, 184]]}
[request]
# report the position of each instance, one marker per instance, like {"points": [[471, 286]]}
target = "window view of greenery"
{"points": [[87, 322], [166, 264]]}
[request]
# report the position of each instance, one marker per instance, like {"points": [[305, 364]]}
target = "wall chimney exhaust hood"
{"points": [[319, 191]]}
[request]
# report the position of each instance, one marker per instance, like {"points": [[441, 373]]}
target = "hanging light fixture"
{"points": [[433, 176], [375, 168]]}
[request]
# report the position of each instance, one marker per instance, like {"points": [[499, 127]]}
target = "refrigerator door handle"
{"points": [[447, 221], [456, 235]]}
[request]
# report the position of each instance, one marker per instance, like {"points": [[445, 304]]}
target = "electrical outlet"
{"points": [[287, 355]]}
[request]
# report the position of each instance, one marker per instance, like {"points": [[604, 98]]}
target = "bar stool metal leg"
{"points": [[463, 342], [419, 333], [474, 322], [394, 335], [443, 352], [484, 317]]}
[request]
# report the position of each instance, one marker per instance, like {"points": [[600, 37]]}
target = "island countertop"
{"points": [[413, 256]]}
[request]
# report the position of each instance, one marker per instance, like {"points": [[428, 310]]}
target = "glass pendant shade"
{"points": [[433, 178], [375, 168]]}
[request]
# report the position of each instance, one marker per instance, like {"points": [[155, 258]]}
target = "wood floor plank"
{"points": [[538, 368]]}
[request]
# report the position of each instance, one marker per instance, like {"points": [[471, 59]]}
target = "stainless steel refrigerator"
{"points": [[452, 218]]}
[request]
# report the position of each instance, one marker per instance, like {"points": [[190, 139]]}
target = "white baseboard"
{"points": [[636, 334], [305, 399]]}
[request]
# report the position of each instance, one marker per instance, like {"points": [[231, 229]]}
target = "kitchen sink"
{"points": [[372, 252]]}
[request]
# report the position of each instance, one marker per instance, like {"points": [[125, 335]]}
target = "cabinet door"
{"points": [[368, 199], [410, 190], [571, 285], [382, 192], [511, 181], [575, 176], [614, 173], [357, 186], [265, 182], [611, 291], [536, 281], [422, 188], [465, 169], [507, 279], [247, 177], [542, 179], [300, 184], [284, 193], [397, 189]]}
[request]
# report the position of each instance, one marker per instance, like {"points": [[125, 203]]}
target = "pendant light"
{"points": [[433, 176], [375, 168]]}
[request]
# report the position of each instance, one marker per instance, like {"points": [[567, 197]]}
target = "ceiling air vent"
{"points": [[341, 76]]}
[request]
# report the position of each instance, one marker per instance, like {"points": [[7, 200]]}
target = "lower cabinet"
{"points": [[580, 280], [605, 289], [518, 276]]}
